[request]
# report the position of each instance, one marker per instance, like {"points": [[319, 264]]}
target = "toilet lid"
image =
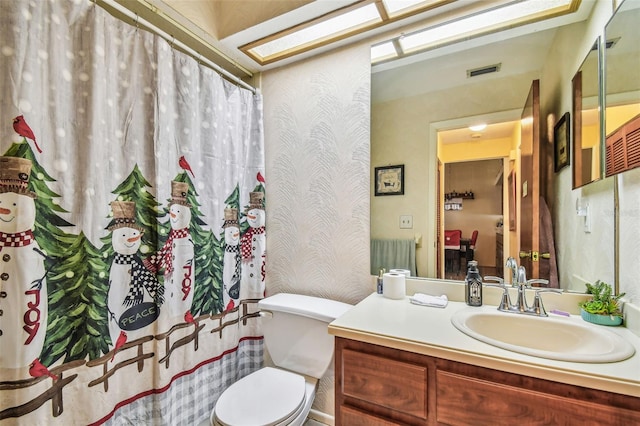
{"points": [[265, 397]]}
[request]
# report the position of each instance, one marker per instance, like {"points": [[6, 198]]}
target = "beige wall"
{"points": [[316, 123]]}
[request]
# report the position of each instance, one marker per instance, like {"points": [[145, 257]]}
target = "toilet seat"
{"points": [[267, 397]]}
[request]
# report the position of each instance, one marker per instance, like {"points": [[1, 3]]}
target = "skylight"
{"points": [[491, 20], [320, 31], [368, 14]]}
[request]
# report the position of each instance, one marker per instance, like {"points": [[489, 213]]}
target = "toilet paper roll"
{"points": [[393, 285], [405, 272]]}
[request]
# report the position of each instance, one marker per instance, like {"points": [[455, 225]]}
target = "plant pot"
{"points": [[600, 319]]}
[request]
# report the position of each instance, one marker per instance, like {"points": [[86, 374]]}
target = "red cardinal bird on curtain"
{"points": [[22, 128], [185, 165], [188, 317], [122, 339], [260, 178], [36, 369]]}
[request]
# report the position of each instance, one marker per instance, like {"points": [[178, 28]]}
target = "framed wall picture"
{"points": [[389, 180], [561, 146]]}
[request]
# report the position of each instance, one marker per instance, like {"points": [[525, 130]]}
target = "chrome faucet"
{"points": [[521, 306], [513, 266]]}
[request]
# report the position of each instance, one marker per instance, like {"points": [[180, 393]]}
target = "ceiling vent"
{"points": [[484, 70]]}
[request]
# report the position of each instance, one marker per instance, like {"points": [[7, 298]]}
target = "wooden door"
{"points": [[530, 183]]}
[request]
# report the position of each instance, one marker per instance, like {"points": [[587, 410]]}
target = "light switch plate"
{"points": [[406, 221]]}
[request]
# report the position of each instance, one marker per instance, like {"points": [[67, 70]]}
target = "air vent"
{"points": [[484, 70], [608, 45]]}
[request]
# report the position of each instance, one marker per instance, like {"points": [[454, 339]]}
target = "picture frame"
{"points": [[561, 145], [389, 180]]}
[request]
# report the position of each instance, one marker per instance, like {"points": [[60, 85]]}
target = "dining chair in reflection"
{"points": [[452, 239]]}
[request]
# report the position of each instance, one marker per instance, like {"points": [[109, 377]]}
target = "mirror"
{"points": [[410, 104], [622, 89], [587, 149]]}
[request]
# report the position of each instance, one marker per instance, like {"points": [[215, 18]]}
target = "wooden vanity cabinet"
{"points": [[380, 386]]}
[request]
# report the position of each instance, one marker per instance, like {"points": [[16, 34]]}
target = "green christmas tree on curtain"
{"points": [[77, 322]]}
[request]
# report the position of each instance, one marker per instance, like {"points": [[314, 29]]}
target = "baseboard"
{"points": [[321, 417]]}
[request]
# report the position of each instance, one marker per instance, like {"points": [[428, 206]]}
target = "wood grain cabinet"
{"points": [[376, 385]]}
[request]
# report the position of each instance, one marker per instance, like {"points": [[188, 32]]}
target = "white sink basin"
{"points": [[563, 339]]}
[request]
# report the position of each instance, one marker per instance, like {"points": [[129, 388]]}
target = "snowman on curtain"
{"points": [[231, 260], [135, 295], [23, 288], [253, 245], [176, 256]]}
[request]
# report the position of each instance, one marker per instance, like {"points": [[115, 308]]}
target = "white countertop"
{"points": [[426, 330]]}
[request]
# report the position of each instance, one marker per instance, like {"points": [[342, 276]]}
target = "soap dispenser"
{"points": [[473, 285]]}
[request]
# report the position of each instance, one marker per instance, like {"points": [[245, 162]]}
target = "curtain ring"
{"points": [[137, 21], [173, 39]]}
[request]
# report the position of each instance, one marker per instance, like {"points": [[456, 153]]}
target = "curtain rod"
{"points": [[172, 40]]}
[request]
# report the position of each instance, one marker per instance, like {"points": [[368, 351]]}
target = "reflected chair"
{"points": [[452, 239], [467, 251]]}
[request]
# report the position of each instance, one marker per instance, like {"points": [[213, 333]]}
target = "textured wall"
{"points": [[316, 125]]}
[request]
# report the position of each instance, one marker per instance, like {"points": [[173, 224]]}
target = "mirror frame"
{"points": [[578, 180]]}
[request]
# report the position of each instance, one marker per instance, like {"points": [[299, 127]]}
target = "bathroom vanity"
{"points": [[402, 364]]}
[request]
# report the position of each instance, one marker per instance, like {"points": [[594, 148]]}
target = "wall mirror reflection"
{"points": [[622, 86], [412, 108], [587, 147]]}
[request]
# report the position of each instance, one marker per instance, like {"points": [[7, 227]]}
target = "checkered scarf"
{"points": [[163, 259], [20, 239], [245, 241], [141, 279]]}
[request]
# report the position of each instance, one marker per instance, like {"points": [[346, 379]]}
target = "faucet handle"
{"points": [[537, 281], [538, 307], [505, 301]]}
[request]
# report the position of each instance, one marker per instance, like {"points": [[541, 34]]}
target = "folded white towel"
{"points": [[428, 300]]}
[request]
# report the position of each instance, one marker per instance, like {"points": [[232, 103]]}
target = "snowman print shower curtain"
{"points": [[132, 223]]}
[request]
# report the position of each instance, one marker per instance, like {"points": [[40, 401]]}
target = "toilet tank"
{"points": [[296, 332]]}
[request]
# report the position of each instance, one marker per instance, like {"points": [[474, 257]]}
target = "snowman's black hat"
{"points": [[14, 176]]}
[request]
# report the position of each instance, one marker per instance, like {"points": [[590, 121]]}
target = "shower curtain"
{"points": [[132, 240]]}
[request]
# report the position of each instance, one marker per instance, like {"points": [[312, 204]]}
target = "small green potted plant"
{"points": [[604, 307]]}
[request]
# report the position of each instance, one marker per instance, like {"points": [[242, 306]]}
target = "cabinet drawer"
{"points": [[352, 417], [397, 385], [465, 400]]}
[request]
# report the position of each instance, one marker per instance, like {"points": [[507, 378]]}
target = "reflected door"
{"points": [[530, 184]]}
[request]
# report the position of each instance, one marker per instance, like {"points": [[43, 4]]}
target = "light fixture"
{"points": [[491, 20], [478, 127], [340, 24]]}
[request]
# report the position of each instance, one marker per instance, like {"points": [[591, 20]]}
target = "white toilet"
{"points": [[296, 336]]}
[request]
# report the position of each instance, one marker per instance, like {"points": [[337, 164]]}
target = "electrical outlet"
{"points": [[406, 221]]}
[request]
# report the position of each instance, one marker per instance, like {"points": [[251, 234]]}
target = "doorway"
{"points": [[473, 200]]}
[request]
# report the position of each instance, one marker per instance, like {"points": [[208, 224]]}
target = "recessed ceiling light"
{"points": [[478, 127]]}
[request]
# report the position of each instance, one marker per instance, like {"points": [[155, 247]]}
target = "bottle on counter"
{"points": [[380, 274], [473, 285]]}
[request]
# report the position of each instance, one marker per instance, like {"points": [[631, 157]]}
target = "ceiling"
{"points": [[226, 25]]}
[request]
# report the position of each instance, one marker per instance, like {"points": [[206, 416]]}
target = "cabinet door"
{"points": [[465, 401], [397, 385]]}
